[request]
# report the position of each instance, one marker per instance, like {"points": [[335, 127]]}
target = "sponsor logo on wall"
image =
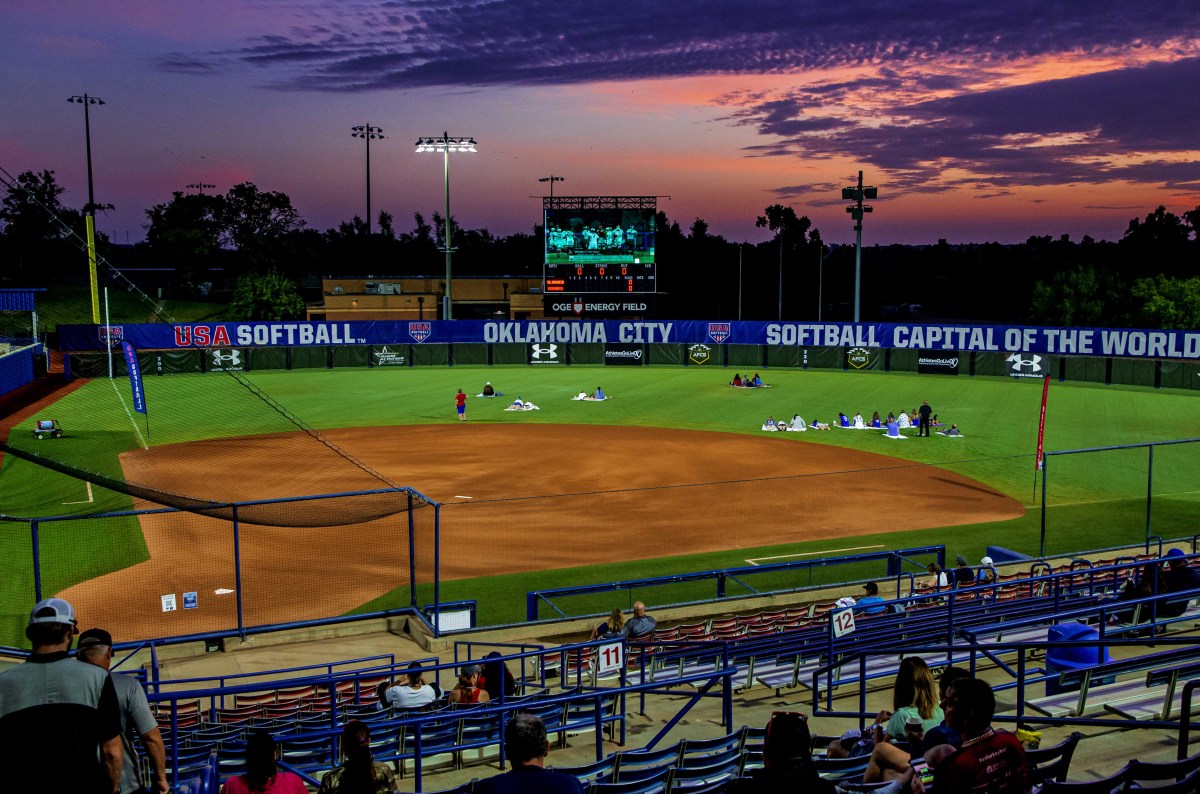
{"points": [[699, 354], [938, 362], [1024, 365], [225, 360], [388, 357], [420, 331], [111, 335], [545, 354], [858, 357], [624, 355], [718, 332]]}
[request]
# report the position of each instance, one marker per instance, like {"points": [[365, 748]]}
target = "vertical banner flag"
{"points": [[1037, 466], [135, 377]]}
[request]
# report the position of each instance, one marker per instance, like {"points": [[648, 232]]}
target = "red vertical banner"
{"points": [[1037, 466]]}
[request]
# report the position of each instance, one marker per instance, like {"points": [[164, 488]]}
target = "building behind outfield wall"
{"points": [[370, 298]]}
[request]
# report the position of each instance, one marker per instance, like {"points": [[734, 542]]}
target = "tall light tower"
{"points": [[551, 179], [90, 210], [368, 134], [446, 144], [857, 193]]}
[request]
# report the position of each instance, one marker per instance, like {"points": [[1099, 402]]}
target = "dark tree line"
{"points": [[1148, 278]]}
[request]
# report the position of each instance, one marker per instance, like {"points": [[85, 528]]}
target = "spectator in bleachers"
{"points": [[938, 578], [890, 761], [851, 744], [413, 693], [610, 627], [1179, 575], [526, 745], [787, 761], [467, 690], [57, 715], [963, 575], [359, 772], [872, 602], [263, 775], [495, 677], [914, 695], [987, 572], [137, 720], [641, 625], [1148, 581], [988, 761]]}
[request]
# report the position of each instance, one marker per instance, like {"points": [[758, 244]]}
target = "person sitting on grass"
{"points": [[737, 380], [488, 390], [599, 395], [819, 425], [798, 423]]}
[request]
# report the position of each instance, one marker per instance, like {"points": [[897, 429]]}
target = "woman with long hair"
{"points": [[787, 761], [263, 775], [495, 679], [611, 626], [913, 697], [359, 773]]}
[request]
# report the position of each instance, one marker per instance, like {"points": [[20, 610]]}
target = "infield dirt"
{"points": [[540, 497]]}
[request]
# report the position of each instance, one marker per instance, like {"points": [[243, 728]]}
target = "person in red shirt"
{"points": [[460, 404], [988, 761]]}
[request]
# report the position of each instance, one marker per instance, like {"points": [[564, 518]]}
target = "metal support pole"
{"points": [[739, 283], [37, 561], [1149, 488], [448, 313], [858, 251], [237, 573], [368, 137], [781, 276]]}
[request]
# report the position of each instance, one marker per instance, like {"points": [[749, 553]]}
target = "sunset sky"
{"points": [[977, 121]]}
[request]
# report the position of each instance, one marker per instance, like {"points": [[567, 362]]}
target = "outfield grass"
{"points": [[1095, 500]]}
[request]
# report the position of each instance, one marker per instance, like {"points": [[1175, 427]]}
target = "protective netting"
{"points": [[164, 572]]}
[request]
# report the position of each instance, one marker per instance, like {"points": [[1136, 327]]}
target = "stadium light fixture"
{"points": [[552, 179], [446, 144], [857, 193], [199, 187], [368, 134], [90, 210]]}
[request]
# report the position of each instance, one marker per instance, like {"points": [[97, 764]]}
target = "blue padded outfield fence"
{"points": [[728, 583], [228, 569]]}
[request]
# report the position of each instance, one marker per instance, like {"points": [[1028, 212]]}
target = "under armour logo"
{"points": [[546, 351], [1018, 362], [232, 358]]}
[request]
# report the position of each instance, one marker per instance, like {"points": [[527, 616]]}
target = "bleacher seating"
{"points": [[781, 648]]}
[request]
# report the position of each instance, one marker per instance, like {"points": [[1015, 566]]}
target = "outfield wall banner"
{"points": [[547, 354], [1028, 341], [624, 355], [938, 362]]}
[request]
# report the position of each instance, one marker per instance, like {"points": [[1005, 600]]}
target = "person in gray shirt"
{"points": [[95, 647], [641, 625]]}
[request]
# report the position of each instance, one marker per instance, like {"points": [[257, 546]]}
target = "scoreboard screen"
{"points": [[591, 249], [600, 277], [591, 235]]}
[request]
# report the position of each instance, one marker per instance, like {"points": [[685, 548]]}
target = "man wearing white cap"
{"points": [[56, 713], [987, 571]]}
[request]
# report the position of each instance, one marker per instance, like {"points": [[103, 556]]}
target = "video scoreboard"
{"points": [[599, 244]]}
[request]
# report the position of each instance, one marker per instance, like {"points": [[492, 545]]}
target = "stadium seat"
{"points": [[1138, 772], [1048, 763]]}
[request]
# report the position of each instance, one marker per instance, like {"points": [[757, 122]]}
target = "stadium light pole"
{"points": [[199, 187], [857, 193], [368, 134], [90, 210], [551, 179], [446, 144]]}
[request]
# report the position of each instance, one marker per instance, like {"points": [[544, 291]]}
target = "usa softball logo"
{"points": [[419, 331], [718, 332]]}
